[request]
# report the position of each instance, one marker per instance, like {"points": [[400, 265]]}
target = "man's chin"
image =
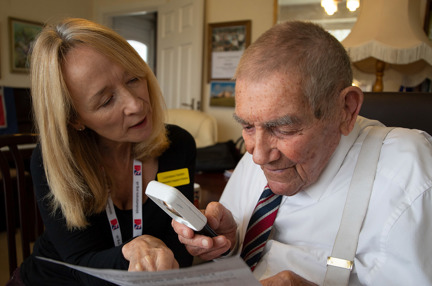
{"points": [[283, 188]]}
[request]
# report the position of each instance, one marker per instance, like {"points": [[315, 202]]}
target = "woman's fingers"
{"points": [[147, 253]]}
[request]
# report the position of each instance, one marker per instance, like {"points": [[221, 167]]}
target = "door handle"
{"points": [[191, 106]]}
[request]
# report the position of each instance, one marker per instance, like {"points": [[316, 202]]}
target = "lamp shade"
{"points": [[390, 31]]}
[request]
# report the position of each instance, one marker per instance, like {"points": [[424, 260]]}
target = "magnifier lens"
{"points": [[171, 209]]}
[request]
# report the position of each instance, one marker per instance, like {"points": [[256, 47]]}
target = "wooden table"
{"points": [[211, 187]]}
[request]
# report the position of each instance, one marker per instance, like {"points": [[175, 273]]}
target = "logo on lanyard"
{"points": [[114, 224], [137, 224], [137, 170]]}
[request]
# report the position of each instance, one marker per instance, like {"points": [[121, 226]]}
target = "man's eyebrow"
{"points": [[282, 121], [239, 120]]}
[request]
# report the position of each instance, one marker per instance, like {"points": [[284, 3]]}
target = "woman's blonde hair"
{"points": [[72, 160]]}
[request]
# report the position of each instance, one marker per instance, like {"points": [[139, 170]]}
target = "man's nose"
{"points": [[264, 148]]}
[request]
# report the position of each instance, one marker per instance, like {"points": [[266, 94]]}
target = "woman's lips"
{"points": [[140, 124]]}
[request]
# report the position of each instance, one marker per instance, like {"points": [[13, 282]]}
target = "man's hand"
{"points": [[221, 221], [148, 253], [286, 278]]}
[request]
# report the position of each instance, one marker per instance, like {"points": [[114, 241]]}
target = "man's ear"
{"points": [[352, 99]]}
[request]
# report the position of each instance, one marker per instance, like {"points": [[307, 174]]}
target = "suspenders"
{"points": [[340, 263]]}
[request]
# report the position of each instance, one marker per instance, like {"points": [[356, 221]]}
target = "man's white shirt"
{"points": [[394, 245]]}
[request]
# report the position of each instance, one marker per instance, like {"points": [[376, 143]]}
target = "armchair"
{"points": [[200, 125]]}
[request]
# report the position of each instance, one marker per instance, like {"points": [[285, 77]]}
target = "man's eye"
{"points": [[248, 127], [283, 131]]}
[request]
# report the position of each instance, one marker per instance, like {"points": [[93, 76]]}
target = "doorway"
{"points": [[140, 30], [178, 38]]}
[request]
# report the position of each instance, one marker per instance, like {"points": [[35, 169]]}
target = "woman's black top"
{"points": [[94, 246]]}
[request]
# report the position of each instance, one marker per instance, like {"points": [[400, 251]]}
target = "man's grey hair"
{"points": [[305, 50]]}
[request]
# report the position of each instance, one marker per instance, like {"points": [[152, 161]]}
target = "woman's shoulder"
{"points": [[178, 135], [38, 173], [36, 162], [181, 150]]}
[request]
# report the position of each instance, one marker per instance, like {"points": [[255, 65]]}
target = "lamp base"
{"points": [[379, 86]]}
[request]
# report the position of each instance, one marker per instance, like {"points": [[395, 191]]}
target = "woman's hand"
{"points": [[148, 253]]}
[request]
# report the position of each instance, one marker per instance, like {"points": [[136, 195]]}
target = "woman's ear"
{"points": [[77, 125], [352, 98]]}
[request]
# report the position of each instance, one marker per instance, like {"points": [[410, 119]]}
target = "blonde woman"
{"points": [[100, 115]]}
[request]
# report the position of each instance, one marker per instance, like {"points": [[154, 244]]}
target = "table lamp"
{"points": [[388, 37]]}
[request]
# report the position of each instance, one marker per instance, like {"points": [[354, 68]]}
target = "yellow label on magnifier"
{"points": [[174, 178]]}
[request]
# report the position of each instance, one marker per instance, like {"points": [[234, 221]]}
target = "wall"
{"points": [[260, 12], [103, 9], [33, 10]]}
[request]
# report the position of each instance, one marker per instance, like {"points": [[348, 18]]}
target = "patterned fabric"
{"points": [[260, 226]]}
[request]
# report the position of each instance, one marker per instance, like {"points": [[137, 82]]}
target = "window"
{"points": [[140, 48]]}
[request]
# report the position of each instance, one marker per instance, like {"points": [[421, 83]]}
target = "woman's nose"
{"points": [[132, 102]]}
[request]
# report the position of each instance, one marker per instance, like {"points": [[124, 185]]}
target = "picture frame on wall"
{"points": [[8, 119], [226, 44], [21, 35], [428, 20], [222, 93], [3, 114], [0, 52]]}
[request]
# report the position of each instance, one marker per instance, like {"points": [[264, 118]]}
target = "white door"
{"points": [[180, 49]]}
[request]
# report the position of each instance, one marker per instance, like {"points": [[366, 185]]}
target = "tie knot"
{"points": [[268, 200], [267, 192]]}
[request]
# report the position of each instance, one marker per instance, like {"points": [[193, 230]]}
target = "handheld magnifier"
{"points": [[176, 205]]}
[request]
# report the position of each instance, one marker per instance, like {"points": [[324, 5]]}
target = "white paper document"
{"points": [[231, 271], [224, 64]]}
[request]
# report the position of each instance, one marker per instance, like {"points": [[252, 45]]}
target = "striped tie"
{"points": [[259, 227]]}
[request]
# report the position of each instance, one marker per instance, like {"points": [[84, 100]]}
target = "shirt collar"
{"points": [[316, 190]]}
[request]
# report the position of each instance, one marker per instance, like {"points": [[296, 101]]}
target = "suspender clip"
{"points": [[339, 262]]}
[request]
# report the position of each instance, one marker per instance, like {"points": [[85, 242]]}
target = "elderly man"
{"points": [[303, 138]]}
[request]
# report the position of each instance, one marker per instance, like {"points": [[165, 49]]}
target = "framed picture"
{"points": [[226, 44], [0, 52], [222, 93], [21, 34], [3, 114], [428, 19], [8, 120]]}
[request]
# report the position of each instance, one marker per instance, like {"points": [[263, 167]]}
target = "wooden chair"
{"points": [[15, 153]]}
